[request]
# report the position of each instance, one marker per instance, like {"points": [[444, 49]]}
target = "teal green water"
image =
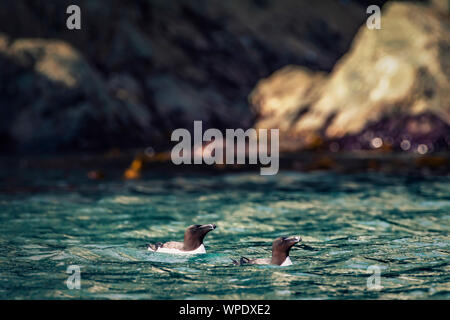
{"points": [[348, 223]]}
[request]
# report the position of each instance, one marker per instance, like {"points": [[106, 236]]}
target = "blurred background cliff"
{"points": [[139, 69]]}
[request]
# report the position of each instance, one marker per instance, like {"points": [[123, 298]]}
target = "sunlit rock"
{"points": [[282, 98], [393, 82]]}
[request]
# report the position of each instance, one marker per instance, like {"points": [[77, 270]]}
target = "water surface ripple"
{"points": [[348, 223]]}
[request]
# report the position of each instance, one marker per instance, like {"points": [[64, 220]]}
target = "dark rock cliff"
{"points": [[139, 69]]}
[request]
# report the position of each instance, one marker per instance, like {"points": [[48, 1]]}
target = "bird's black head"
{"points": [[193, 237], [281, 247]]}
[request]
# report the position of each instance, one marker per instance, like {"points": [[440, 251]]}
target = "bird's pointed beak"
{"points": [[294, 239], [209, 226]]}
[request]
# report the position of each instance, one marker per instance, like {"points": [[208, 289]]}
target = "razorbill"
{"points": [[192, 244], [280, 253]]}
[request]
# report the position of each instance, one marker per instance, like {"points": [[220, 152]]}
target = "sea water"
{"points": [[351, 225]]}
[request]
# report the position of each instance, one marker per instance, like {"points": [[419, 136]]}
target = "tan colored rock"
{"points": [[442, 5], [282, 98], [402, 70]]}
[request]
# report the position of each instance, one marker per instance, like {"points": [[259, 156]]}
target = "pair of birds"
{"points": [[193, 244]]}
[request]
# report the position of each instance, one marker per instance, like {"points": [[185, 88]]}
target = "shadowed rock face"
{"points": [[139, 69], [51, 99], [392, 85]]}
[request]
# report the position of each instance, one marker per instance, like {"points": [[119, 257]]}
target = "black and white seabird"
{"points": [[280, 253], [192, 244]]}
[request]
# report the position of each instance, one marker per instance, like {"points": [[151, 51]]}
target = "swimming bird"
{"points": [[280, 253], [192, 244]]}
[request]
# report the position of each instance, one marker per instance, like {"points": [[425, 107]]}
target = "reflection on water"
{"points": [[347, 223]]}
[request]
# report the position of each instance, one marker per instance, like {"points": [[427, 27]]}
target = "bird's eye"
{"points": [[197, 226], [284, 238]]}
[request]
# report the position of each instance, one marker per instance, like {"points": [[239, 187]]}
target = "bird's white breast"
{"points": [[287, 262], [199, 250]]}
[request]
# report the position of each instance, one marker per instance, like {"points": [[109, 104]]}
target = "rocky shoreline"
{"points": [[137, 70], [390, 91], [121, 165], [131, 75]]}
